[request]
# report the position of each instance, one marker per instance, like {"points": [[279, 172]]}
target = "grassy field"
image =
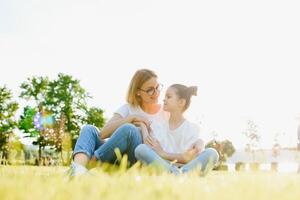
{"points": [[43, 183]]}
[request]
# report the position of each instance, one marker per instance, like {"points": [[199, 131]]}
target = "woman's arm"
{"points": [[117, 120]]}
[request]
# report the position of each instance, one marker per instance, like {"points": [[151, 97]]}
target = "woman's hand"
{"points": [[146, 135], [135, 119]]}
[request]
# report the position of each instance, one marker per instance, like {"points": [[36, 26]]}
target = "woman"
{"points": [[179, 142], [142, 108]]}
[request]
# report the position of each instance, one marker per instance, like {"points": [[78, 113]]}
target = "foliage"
{"points": [[64, 99], [95, 117], [8, 109], [224, 148], [252, 135]]}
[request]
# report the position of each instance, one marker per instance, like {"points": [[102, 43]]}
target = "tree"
{"points": [[27, 125], [224, 148], [8, 108], [63, 102], [95, 117], [65, 95], [253, 138], [35, 88], [252, 135]]}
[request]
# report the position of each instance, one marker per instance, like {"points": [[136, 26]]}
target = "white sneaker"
{"points": [[76, 170]]}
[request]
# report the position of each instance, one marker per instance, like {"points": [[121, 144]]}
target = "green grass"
{"points": [[43, 183]]}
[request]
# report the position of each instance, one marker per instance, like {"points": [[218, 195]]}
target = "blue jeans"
{"points": [[205, 161], [126, 138]]}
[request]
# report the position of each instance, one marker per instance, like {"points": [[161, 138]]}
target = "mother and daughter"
{"points": [[147, 131]]}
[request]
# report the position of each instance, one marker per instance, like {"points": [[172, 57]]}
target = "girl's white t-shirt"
{"points": [[172, 141], [180, 139]]}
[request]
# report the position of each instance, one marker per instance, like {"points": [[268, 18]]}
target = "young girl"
{"points": [[178, 142]]}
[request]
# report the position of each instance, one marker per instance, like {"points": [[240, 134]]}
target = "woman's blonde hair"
{"points": [[139, 78]]}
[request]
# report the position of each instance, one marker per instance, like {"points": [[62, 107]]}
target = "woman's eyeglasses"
{"points": [[150, 91]]}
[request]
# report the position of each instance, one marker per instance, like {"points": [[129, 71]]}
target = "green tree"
{"points": [[224, 148], [26, 124], [35, 88], [66, 96], [95, 117], [65, 99], [8, 108]]}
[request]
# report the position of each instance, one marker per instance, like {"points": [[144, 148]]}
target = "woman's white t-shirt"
{"points": [[157, 120]]}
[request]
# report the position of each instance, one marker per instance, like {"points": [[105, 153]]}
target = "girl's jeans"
{"points": [[205, 161]]}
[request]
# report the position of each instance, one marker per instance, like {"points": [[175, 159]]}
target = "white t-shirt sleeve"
{"points": [[193, 135], [123, 110]]}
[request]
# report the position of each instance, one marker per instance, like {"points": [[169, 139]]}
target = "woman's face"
{"points": [[150, 91]]}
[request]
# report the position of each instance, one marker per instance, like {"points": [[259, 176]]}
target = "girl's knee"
{"points": [[213, 154], [140, 150]]}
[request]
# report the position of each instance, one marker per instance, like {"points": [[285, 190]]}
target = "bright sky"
{"points": [[244, 56]]}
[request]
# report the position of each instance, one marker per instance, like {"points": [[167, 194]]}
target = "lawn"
{"points": [[43, 183]]}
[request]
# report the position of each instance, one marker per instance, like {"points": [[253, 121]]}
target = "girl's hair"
{"points": [[138, 79], [184, 92]]}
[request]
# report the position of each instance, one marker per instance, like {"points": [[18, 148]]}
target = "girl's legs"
{"points": [[147, 155], [205, 162]]}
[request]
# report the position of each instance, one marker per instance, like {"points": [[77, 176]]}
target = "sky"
{"points": [[242, 55]]}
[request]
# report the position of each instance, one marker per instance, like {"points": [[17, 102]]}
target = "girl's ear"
{"points": [[182, 102]]}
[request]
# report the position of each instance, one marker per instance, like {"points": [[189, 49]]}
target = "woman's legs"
{"points": [[126, 138], [87, 142], [205, 161], [146, 155]]}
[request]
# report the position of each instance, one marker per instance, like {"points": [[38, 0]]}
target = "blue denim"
{"points": [[126, 138], [148, 156], [204, 161]]}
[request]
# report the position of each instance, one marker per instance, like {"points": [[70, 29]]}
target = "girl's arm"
{"points": [[198, 145], [178, 158]]}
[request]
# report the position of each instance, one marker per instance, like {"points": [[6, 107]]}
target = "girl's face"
{"points": [[150, 91], [171, 101]]}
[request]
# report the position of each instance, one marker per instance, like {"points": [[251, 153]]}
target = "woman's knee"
{"points": [[90, 130], [129, 130]]}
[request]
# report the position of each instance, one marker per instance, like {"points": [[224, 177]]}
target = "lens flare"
{"points": [[43, 120]]}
